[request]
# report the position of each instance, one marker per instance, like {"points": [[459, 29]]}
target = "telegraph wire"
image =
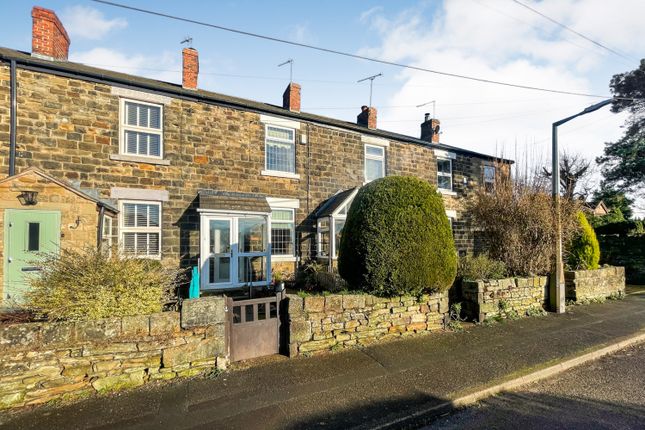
{"points": [[613, 51], [342, 53]]}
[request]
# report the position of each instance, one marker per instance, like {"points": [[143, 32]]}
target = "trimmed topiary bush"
{"points": [[584, 251], [397, 239]]}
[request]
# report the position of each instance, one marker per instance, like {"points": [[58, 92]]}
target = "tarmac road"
{"points": [[608, 393]]}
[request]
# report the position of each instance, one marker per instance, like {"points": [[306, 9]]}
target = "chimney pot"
{"points": [[367, 117], [427, 117], [49, 38], [291, 97], [190, 69]]}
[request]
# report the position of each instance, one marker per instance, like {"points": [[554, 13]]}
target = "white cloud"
{"points": [[479, 38], [300, 33], [89, 23], [165, 66]]}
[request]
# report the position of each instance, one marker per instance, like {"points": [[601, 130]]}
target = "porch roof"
{"points": [[334, 202], [233, 201]]}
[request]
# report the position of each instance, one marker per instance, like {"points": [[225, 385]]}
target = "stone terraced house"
{"points": [[166, 171]]}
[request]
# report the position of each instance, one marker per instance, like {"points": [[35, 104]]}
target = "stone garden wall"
{"points": [[625, 251], [584, 285], [323, 323], [499, 297], [44, 361]]}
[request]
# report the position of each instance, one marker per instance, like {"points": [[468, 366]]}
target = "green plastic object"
{"points": [[193, 290]]}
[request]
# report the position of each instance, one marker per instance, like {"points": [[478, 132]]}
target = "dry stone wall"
{"points": [[483, 299], [582, 285], [40, 362], [324, 323]]}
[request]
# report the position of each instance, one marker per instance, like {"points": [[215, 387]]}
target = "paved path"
{"points": [[359, 388], [606, 394]]}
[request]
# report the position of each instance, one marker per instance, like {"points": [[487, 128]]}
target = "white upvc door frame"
{"points": [[205, 254]]}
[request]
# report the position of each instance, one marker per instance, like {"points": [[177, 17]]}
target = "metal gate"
{"points": [[253, 327]]}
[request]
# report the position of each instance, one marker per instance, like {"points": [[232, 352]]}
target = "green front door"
{"points": [[27, 234]]}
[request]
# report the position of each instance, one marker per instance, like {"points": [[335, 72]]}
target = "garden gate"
{"points": [[253, 327]]}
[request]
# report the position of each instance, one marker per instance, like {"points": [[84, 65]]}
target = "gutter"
{"points": [[41, 66], [13, 112]]}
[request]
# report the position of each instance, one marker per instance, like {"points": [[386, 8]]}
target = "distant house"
{"points": [[596, 209], [172, 172]]}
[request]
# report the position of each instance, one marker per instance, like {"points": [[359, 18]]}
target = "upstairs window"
{"points": [[444, 174], [489, 178], [280, 149], [141, 229], [374, 162], [141, 129]]}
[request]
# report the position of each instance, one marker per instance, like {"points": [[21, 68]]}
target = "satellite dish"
{"points": [[436, 129]]}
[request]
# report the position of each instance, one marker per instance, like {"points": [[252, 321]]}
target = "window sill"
{"points": [[137, 159], [447, 192], [283, 259], [280, 174]]}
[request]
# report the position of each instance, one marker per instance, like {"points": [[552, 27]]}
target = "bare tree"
{"points": [[576, 173]]}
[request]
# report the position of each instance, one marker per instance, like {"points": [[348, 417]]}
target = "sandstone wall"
{"points": [[70, 128], [323, 323], [44, 361], [584, 285], [79, 216], [488, 298]]}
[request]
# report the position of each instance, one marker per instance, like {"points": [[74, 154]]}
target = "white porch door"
{"points": [[235, 251]]}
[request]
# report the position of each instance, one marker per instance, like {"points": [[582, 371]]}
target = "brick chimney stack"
{"points": [[291, 97], [430, 129], [190, 69], [48, 36], [367, 117]]}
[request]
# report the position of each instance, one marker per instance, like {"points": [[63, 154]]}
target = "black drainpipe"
{"points": [[12, 121], [99, 227]]}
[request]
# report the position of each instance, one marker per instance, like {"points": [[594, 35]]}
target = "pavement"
{"points": [[386, 385], [608, 393]]}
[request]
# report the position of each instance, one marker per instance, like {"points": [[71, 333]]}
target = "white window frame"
{"points": [[319, 233], [234, 218], [367, 156], [335, 216], [123, 127], [282, 173], [492, 182], [109, 238], [285, 257], [123, 229], [445, 175]]}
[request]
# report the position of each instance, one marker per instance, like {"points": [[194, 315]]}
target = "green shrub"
{"points": [[397, 239], [480, 267], [88, 284], [622, 228], [584, 250], [314, 277]]}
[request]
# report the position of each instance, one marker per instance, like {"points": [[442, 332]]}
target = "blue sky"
{"points": [[495, 39]]}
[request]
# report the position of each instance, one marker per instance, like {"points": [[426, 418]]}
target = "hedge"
{"points": [[397, 239]]}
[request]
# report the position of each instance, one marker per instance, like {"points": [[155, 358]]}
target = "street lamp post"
{"points": [[557, 291]]}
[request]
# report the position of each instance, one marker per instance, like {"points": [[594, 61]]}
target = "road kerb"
{"points": [[538, 375]]}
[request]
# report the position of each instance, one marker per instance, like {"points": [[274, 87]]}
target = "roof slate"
{"points": [[334, 202], [232, 201]]}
